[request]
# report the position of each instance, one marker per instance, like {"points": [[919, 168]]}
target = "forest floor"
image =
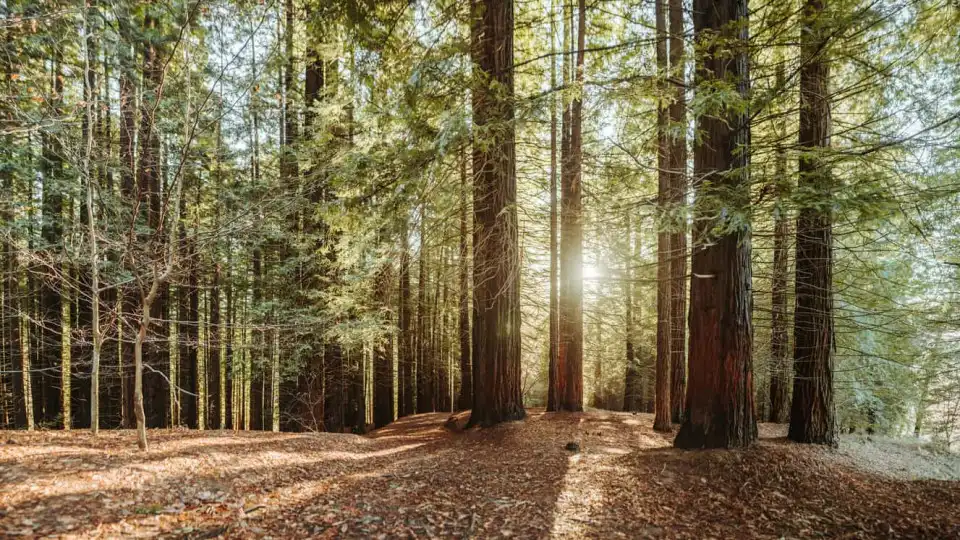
{"points": [[417, 478]]}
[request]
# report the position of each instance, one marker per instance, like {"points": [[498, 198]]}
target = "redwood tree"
{"points": [[678, 233], [812, 413], [720, 408], [779, 361], [465, 398], [496, 267], [661, 421], [568, 388]]}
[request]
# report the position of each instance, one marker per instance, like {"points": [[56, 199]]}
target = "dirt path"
{"points": [[416, 478]]}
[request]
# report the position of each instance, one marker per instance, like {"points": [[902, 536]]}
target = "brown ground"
{"points": [[416, 478]]}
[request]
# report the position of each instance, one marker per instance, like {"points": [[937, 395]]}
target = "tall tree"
{"points": [[661, 421], [150, 195], [720, 407], [554, 317], [383, 356], [496, 266], [405, 362], [631, 386], [678, 224], [569, 381], [130, 195], [812, 414], [465, 398], [423, 368], [779, 360]]}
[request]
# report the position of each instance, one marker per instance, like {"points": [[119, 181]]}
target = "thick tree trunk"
{"points": [[678, 233], [290, 179], [812, 414], [155, 358], [720, 407], [48, 382], [496, 266], [661, 421], [554, 316], [569, 381]]}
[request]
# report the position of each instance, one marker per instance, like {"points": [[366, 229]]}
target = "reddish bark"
{"points": [[812, 414], [678, 232], [720, 408], [661, 420], [496, 267]]}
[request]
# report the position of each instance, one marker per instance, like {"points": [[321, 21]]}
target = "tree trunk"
{"points": [[496, 266], [631, 385], [780, 368], [678, 233], [94, 291], [554, 316], [215, 349], [661, 421], [406, 359], [465, 398], [130, 195], [383, 357], [290, 178], [569, 381], [424, 403], [812, 414], [155, 388], [720, 407], [49, 380]]}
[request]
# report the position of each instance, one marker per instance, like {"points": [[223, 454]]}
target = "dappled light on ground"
{"points": [[417, 478]]}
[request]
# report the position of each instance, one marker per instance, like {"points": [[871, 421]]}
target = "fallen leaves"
{"points": [[417, 478]]}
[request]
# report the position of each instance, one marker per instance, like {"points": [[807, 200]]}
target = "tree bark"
{"points": [[678, 232], [496, 267], [406, 350], [155, 388], [465, 398], [129, 193], [631, 386], [720, 407], [812, 414], [569, 381], [780, 363], [661, 421], [383, 357], [424, 367], [554, 316]]}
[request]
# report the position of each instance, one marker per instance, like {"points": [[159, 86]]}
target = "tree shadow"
{"points": [[409, 478]]}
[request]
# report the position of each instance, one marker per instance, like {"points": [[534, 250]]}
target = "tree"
{"points": [[779, 338], [496, 271], [720, 409], [569, 381], [406, 385], [661, 421], [677, 156], [465, 398], [812, 413], [553, 319]]}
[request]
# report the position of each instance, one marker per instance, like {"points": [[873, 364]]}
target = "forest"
{"points": [[586, 234]]}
